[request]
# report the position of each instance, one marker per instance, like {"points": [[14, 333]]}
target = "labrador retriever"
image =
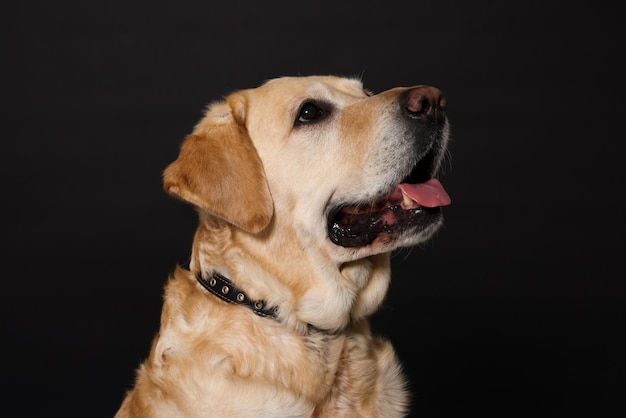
{"points": [[303, 187]]}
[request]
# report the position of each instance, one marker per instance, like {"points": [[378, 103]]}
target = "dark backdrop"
{"points": [[515, 309]]}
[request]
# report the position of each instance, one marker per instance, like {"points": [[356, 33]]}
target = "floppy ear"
{"points": [[219, 170]]}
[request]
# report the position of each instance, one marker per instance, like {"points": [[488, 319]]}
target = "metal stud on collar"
{"points": [[223, 288]]}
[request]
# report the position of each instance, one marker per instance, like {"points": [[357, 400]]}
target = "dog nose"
{"points": [[426, 103]]}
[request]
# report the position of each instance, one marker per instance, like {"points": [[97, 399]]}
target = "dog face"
{"points": [[345, 169]]}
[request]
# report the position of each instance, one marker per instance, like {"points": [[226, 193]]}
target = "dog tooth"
{"points": [[406, 200]]}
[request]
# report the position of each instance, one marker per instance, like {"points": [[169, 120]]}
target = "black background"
{"points": [[515, 308]]}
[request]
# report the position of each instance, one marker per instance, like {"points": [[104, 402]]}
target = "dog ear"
{"points": [[218, 169]]}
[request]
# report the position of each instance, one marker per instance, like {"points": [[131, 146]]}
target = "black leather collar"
{"points": [[223, 288]]}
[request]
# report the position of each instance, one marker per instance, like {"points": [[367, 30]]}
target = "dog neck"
{"points": [[224, 289], [310, 288]]}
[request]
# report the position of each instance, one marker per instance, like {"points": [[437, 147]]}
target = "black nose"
{"points": [[426, 103]]}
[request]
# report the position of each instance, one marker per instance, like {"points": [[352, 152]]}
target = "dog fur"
{"points": [[268, 170]]}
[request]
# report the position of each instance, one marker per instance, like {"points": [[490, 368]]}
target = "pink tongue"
{"points": [[430, 194]]}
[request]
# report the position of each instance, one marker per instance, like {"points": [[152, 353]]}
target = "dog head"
{"points": [[344, 167]]}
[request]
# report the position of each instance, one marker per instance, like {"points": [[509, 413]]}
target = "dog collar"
{"points": [[224, 289]]}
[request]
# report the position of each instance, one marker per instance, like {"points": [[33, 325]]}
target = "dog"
{"points": [[303, 187]]}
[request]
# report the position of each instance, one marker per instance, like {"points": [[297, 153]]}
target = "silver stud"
{"points": [[225, 289], [240, 297], [212, 282], [258, 304]]}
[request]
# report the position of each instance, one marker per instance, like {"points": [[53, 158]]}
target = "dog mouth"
{"points": [[412, 204]]}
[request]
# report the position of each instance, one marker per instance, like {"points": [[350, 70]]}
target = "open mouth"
{"points": [[415, 203]]}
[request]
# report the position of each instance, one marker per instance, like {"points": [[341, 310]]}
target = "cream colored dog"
{"points": [[303, 187]]}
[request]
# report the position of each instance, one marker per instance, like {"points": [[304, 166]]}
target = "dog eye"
{"points": [[311, 112]]}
